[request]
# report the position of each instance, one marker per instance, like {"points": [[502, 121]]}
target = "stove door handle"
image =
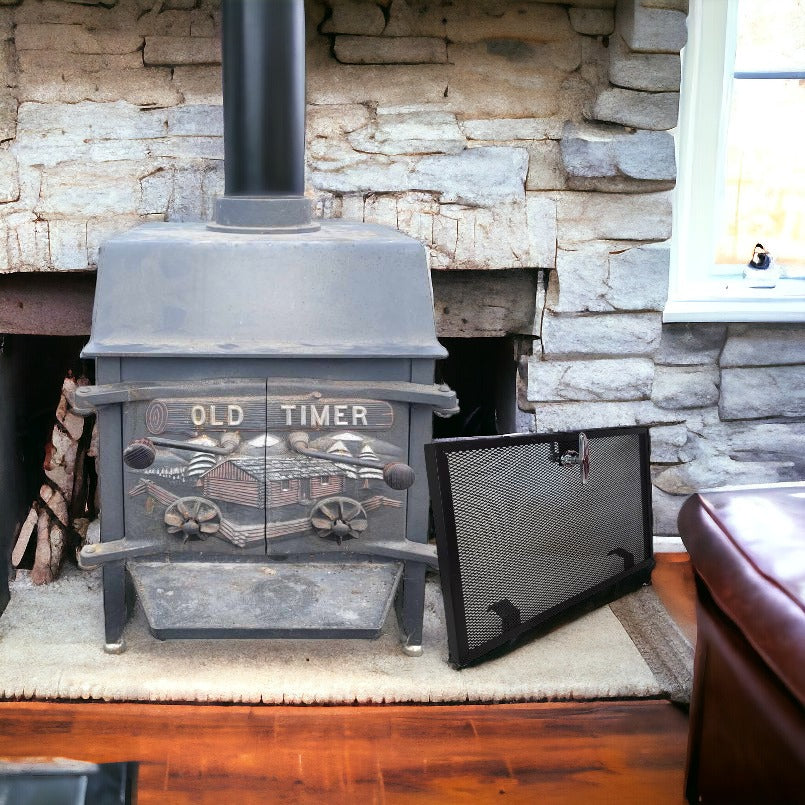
{"points": [[406, 550], [395, 474], [100, 553]]}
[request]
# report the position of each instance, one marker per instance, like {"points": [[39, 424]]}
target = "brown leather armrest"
{"points": [[747, 546]]}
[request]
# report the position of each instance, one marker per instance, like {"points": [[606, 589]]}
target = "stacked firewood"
{"points": [[60, 515]]}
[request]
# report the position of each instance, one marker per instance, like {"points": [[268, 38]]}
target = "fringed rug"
{"points": [[51, 647]]}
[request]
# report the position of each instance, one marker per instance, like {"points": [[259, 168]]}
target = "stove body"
{"points": [[265, 389], [225, 353]]}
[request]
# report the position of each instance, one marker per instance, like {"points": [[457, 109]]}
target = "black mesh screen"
{"points": [[522, 539]]}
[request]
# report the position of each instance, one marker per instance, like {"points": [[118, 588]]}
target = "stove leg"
{"points": [[115, 606], [411, 608]]}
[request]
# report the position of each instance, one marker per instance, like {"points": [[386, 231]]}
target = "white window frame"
{"points": [[695, 293]]}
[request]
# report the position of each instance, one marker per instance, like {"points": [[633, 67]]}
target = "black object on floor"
{"points": [[535, 529]]}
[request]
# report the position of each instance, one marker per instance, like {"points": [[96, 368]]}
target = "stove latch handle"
{"points": [[141, 453], [450, 410], [396, 474]]}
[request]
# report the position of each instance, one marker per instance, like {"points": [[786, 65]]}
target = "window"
{"points": [[741, 177]]}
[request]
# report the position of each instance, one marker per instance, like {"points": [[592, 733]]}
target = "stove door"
{"points": [[325, 503], [194, 469]]}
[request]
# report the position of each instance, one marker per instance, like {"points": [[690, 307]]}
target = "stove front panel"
{"points": [[216, 472]]}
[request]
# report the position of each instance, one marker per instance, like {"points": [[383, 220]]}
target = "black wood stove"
{"points": [[265, 389]]}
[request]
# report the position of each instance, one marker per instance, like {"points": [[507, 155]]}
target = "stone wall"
{"points": [[512, 138]]}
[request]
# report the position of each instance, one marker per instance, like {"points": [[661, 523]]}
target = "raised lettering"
{"points": [[359, 415], [339, 415], [198, 415], [289, 409], [234, 415], [213, 420], [318, 418]]}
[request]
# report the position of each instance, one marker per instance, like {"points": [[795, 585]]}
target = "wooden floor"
{"points": [[596, 752]]}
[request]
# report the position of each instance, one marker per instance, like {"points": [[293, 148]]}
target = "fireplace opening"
{"points": [[482, 372], [40, 365]]}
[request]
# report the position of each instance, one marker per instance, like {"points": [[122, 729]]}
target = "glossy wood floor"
{"points": [[596, 752]]}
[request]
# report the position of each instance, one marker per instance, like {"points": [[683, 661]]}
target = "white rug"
{"points": [[51, 642]]}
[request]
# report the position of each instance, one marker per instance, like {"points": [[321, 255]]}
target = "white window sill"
{"points": [[730, 300]]}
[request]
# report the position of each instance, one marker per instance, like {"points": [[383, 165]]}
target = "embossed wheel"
{"points": [[192, 518], [338, 519]]}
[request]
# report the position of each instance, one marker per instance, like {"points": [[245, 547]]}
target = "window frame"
{"points": [[696, 292]]}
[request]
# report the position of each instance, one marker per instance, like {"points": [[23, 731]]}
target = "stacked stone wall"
{"points": [[527, 144]]}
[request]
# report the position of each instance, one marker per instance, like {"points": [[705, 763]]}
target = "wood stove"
{"points": [[265, 389]]}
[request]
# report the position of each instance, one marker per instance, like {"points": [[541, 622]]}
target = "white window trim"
{"points": [[693, 292]]}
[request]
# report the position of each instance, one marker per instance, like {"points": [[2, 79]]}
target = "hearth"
{"points": [[265, 388]]}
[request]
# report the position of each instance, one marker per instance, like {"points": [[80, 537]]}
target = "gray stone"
{"points": [[52, 133], [555, 381], [638, 277], [618, 184], [9, 177], [476, 176], [8, 63], [667, 442], [68, 244], [646, 155], [579, 284], [195, 120], [541, 218], [484, 304], [144, 87], [596, 151], [781, 443], [173, 50], [79, 63], [764, 345], [518, 22], [390, 50], [681, 387], [416, 213], [91, 190], [496, 80], [592, 21], [74, 39], [652, 30], [155, 191], [513, 129], [552, 417], [545, 171], [480, 237], [410, 130], [206, 148], [615, 334], [772, 391], [720, 470], [665, 510], [583, 3], [350, 17], [27, 242], [584, 216], [8, 115], [690, 344], [198, 84], [609, 276], [654, 72], [640, 110]]}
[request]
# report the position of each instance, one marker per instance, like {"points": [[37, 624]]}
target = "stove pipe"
{"points": [[263, 68]]}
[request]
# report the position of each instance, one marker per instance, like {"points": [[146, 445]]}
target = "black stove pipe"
{"points": [[263, 60]]}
